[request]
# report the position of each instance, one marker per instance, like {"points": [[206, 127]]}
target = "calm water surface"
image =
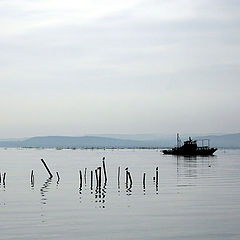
{"points": [[196, 198]]}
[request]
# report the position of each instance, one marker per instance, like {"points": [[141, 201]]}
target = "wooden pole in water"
{"points": [[126, 180], [58, 177], [100, 176], [118, 177], [130, 179], [45, 165], [144, 180], [156, 176], [96, 174], [4, 177], [85, 176], [32, 178], [104, 170], [91, 180], [0, 178], [80, 179]]}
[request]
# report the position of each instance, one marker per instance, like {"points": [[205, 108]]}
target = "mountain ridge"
{"points": [[141, 141], [71, 142]]}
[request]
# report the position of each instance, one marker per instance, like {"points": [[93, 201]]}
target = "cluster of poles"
{"points": [[98, 176], [49, 172]]}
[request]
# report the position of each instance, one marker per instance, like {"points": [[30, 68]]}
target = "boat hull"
{"points": [[202, 152]]}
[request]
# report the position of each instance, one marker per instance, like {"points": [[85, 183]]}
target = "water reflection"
{"points": [[189, 157], [155, 183], [128, 186], [32, 183], [192, 167], [129, 191], [44, 190], [144, 188], [188, 169], [100, 195], [3, 186]]}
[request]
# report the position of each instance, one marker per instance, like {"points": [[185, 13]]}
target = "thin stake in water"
{"points": [[91, 180], [126, 180], [156, 176], [104, 170], [4, 178], [48, 170], [118, 177], [144, 181], [58, 178], [100, 176], [96, 174], [32, 178], [80, 180], [85, 176], [130, 179]]}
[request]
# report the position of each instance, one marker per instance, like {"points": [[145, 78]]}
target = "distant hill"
{"points": [[219, 141], [169, 140], [72, 142], [143, 141], [225, 141]]}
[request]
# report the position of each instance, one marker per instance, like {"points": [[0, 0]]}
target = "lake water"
{"points": [[196, 198]]}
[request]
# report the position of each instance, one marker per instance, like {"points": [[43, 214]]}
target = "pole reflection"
{"points": [[100, 195], [44, 190]]}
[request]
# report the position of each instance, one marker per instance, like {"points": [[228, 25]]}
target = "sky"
{"points": [[132, 66]]}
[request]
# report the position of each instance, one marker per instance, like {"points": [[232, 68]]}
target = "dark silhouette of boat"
{"points": [[191, 147]]}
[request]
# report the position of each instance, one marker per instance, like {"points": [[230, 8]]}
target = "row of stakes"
{"points": [[98, 175]]}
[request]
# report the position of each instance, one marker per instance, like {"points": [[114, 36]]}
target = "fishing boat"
{"points": [[190, 147]]}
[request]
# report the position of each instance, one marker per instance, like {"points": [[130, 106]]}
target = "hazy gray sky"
{"points": [[72, 67]]}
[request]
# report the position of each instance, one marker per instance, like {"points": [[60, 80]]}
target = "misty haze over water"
{"points": [[118, 141], [85, 81]]}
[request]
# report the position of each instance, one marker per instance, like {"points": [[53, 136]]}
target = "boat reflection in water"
{"points": [[194, 167]]}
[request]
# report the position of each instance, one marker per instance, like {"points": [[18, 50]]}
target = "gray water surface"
{"points": [[196, 198]]}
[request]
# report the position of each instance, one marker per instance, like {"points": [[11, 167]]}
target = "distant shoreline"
{"points": [[228, 141]]}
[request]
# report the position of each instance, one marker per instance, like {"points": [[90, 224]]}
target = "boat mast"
{"points": [[179, 142]]}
